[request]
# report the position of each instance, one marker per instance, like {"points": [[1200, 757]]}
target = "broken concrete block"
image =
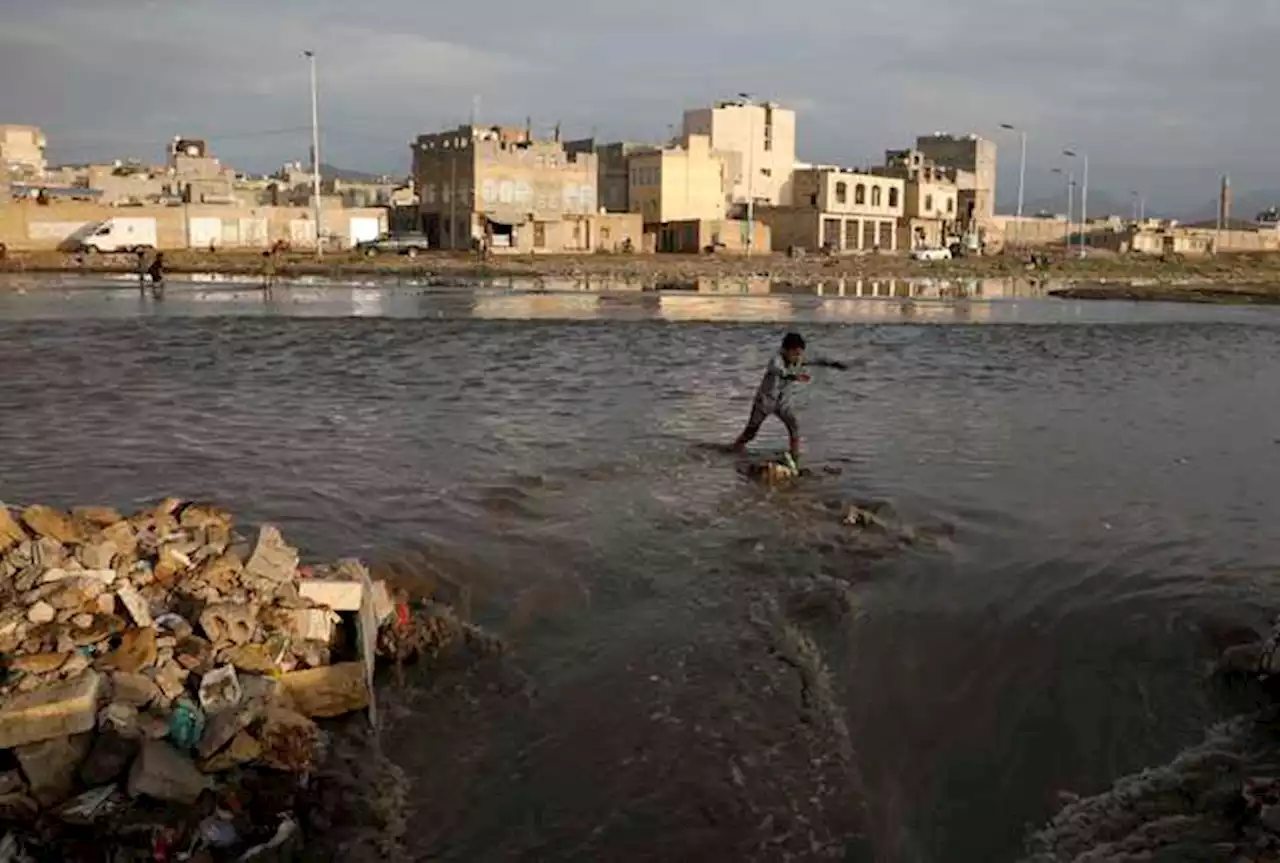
{"points": [[41, 612], [312, 624], [136, 689], [135, 605], [39, 663], [228, 623], [46, 521], [98, 516], [273, 559], [122, 536], [50, 766], [329, 691], [164, 773], [337, 595], [171, 678], [11, 533], [383, 605], [243, 749], [219, 689], [109, 757], [55, 711], [98, 555], [137, 651], [222, 727]]}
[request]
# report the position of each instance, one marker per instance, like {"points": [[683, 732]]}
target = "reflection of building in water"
{"points": [[902, 309], [733, 285], [692, 307], [536, 306]]}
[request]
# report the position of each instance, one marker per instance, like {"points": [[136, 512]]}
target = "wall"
{"points": [[759, 146], [22, 149], [30, 226], [1012, 231], [839, 190], [726, 235], [603, 232], [813, 229], [971, 154]]}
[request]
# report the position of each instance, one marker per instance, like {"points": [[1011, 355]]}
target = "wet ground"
{"points": [[704, 668]]}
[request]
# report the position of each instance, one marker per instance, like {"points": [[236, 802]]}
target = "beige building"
{"points": [[613, 175], [838, 209], [499, 186], [22, 151], [678, 184], [974, 160], [758, 143], [932, 205], [712, 235]]}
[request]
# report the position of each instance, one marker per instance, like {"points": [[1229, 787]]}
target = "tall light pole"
{"points": [[315, 151], [751, 173], [1071, 193], [1084, 194], [1022, 171]]}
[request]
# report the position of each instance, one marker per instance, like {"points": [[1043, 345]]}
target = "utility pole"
{"points": [[751, 173], [1022, 168], [1071, 189], [1084, 194], [315, 152]]}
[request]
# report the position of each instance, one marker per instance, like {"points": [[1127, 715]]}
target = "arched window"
{"points": [[893, 197], [875, 196], [860, 194], [842, 193]]}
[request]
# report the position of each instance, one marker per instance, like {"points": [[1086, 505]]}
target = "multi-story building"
{"points": [[758, 142], [838, 209], [613, 175], [931, 206], [678, 183], [974, 159], [498, 186], [22, 152], [196, 176]]}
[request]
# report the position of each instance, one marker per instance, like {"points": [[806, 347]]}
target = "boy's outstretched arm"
{"points": [[823, 363]]}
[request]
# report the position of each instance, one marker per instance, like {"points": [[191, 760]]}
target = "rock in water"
{"points": [[11, 533]]}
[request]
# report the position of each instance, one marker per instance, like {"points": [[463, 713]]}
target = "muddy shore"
{"points": [[1227, 279]]}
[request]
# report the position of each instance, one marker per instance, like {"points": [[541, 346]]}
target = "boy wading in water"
{"points": [[774, 397]]}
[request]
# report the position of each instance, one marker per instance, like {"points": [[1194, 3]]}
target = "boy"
{"points": [[785, 370]]}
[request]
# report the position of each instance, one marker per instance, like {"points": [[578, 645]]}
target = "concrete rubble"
{"points": [[150, 666]]}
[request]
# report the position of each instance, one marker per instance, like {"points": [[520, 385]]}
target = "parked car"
{"points": [[121, 235], [410, 245], [930, 254]]}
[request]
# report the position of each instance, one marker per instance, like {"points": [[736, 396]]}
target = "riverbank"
{"points": [[1235, 278]]}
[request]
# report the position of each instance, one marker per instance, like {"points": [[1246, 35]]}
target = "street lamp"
{"points": [[1022, 165], [751, 174], [1071, 188], [315, 150], [1084, 193]]}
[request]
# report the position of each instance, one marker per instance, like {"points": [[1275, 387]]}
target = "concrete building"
{"points": [[838, 209], [758, 142], [22, 152], [974, 159], [499, 186], [613, 175], [931, 210], [196, 176], [678, 184]]}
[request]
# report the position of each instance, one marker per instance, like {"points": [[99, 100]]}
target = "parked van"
{"points": [[121, 235]]}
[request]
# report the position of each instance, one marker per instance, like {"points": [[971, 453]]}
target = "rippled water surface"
{"points": [[1093, 490]]}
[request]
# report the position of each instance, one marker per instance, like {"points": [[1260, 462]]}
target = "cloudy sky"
{"points": [[1163, 94]]}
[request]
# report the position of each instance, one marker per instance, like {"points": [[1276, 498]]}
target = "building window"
{"points": [[928, 203], [842, 193], [860, 194], [524, 193], [768, 172], [893, 197], [539, 235], [876, 196], [951, 205]]}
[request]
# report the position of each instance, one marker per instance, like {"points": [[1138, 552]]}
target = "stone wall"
{"points": [[29, 226]]}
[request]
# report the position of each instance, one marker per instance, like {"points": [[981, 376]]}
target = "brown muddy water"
{"points": [[703, 669]]}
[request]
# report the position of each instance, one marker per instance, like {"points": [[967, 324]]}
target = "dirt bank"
{"points": [[1251, 278]]}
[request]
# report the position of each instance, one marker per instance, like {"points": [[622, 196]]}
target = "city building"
{"points": [[498, 186], [196, 176], [613, 175], [974, 159], [838, 209], [758, 143], [931, 205], [678, 183], [22, 152]]}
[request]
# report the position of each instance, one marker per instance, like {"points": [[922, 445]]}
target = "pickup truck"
{"points": [[410, 245]]}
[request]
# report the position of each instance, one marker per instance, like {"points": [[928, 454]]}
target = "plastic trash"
{"points": [[89, 806], [220, 689], [217, 830], [287, 830], [186, 724]]}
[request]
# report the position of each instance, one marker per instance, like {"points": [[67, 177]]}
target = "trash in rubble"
{"points": [[287, 830], [219, 689], [186, 724], [218, 831]]}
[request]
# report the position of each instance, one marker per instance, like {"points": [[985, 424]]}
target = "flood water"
{"points": [[715, 670]]}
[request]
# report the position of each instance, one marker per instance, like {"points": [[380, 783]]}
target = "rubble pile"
{"points": [[161, 678]]}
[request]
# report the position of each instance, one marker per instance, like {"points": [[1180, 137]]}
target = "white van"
{"points": [[121, 235]]}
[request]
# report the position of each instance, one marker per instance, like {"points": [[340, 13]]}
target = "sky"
{"points": [[1163, 95]]}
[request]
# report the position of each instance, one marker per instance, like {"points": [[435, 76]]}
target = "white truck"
{"points": [[121, 235]]}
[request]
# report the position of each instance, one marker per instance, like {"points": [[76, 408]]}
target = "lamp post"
{"points": [[1084, 193], [1071, 189], [1022, 164], [751, 174], [315, 151]]}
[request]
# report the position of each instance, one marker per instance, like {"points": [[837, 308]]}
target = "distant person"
{"points": [[156, 270], [774, 396], [269, 268]]}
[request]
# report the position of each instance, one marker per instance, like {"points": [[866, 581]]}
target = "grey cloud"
{"points": [[1163, 94]]}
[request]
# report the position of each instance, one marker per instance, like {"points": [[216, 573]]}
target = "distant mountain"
{"points": [[1244, 205], [331, 172], [1101, 204]]}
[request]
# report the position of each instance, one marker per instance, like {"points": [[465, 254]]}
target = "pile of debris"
{"points": [[159, 674]]}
